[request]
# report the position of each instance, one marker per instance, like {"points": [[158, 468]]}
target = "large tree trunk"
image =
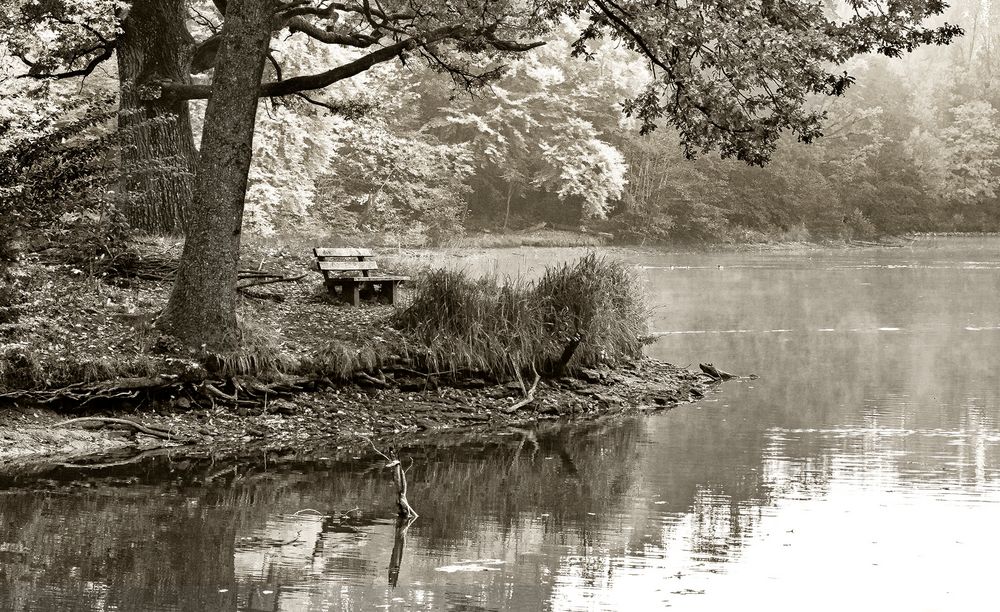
{"points": [[202, 307], [158, 154]]}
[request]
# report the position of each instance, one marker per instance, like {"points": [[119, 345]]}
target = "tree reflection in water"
{"points": [[197, 533]]}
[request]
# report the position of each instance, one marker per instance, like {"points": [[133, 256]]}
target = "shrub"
{"points": [[579, 314], [20, 368], [57, 180]]}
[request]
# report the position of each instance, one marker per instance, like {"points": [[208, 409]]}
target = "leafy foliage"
{"points": [[734, 81], [57, 180], [401, 186]]}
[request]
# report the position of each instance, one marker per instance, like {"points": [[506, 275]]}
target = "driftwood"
{"points": [[268, 279], [529, 393]]}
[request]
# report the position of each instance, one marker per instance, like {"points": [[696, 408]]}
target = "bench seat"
{"points": [[341, 268]]}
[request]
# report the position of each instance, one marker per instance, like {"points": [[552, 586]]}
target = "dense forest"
{"points": [[400, 153]]}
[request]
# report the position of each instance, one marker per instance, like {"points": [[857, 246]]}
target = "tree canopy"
{"points": [[730, 76]]}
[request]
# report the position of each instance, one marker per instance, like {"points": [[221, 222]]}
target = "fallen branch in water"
{"points": [[399, 477], [406, 511], [714, 373]]}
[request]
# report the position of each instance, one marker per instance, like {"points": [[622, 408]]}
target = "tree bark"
{"points": [[202, 308], [157, 153]]}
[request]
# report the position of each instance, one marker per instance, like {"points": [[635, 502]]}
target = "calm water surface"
{"points": [[861, 470]]}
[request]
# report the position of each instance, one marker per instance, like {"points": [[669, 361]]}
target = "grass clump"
{"points": [[596, 303], [580, 314], [339, 360], [458, 323]]}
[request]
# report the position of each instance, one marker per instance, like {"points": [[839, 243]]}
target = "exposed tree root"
{"points": [[246, 392], [154, 431]]}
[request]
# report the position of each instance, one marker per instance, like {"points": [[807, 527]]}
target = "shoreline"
{"points": [[342, 414]]}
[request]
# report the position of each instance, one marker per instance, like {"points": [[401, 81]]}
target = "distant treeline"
{"points": [[398, 155]]}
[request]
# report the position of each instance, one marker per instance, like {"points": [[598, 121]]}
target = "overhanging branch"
{"points": [[187, 91], [299, 24], [107, 51]]}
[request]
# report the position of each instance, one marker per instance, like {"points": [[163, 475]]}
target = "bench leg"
{"points": [[355, 293], [389, 292]]}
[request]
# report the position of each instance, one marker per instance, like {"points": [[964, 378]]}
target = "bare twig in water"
{"points": [[384, 456], [399, 478]]}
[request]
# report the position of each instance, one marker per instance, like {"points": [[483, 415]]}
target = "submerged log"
{"points": [[715, 373]]}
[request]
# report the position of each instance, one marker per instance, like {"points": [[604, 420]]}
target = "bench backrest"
{"points": [[342, 252], [347, 259]]}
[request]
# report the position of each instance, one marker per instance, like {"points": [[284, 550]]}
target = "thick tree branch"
{"points": [[299, 24], [512, 45], [204, 56], [360, 9], [186, 91], [106, 53]]}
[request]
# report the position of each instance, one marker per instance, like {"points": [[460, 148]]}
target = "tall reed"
{"points": [[590, 311]]}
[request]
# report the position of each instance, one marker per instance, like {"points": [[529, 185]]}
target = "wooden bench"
{"points": [[348, 275]]}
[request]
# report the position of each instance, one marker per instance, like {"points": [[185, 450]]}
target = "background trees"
{"points": [[732, 77]]}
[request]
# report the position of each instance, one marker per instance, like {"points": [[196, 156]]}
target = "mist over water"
{"points": [[860, 470]]}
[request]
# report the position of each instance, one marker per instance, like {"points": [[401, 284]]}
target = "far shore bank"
{"points": [[557, 239]]}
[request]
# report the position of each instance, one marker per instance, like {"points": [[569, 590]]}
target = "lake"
{"points": [[861, 470]]}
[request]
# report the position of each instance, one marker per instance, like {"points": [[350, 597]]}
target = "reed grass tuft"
{"points": [[591, 311]]}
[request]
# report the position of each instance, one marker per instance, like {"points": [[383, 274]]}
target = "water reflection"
{"points": [[862, 469]]}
